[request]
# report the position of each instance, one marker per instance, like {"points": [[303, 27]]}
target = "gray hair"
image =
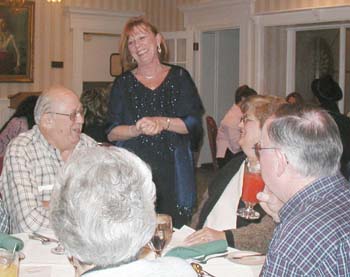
{"points": [[43, 105], [47, 100], [103, 207], [309, 138]]}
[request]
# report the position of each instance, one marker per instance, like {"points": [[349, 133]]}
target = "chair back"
{"points": [[1, 163], [212, 130]]}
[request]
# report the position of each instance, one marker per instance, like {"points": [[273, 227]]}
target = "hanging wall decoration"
{"points": [[16, 41]]}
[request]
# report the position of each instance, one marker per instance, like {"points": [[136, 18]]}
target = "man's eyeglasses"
{"points": [[257, 148], [73, 115]]}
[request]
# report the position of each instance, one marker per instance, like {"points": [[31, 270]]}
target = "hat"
{"points": [[326, 89]]}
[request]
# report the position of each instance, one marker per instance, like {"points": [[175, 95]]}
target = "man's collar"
{"points": [[43, 141], [314, 190]]}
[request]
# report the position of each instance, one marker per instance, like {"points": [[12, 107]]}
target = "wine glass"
{"points": [[58, 250], [162, 234], [252, 185]]}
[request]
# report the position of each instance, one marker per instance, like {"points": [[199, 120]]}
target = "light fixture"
{"points": [[54, 1], [15, 5]]}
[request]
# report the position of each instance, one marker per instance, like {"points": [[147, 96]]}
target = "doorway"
{"points": [[96, 68], [219, 76]]}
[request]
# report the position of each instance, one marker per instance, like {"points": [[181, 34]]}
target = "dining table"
{"points": [[39, 261]]}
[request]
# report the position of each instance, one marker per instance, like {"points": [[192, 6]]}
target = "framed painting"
{"points": [[115, 67], [16, 42]]}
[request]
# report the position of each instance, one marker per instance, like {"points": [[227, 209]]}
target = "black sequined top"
{"points": [[169, 154]]}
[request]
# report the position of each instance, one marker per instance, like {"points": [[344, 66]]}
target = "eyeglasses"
{"points": [[257, 148], [73, 115], [245, 119]]}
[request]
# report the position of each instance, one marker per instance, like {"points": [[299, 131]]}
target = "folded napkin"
{"points": [[198, 250], [9, 242]]}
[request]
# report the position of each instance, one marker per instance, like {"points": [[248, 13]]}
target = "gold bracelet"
{"points": [[168, 123]]}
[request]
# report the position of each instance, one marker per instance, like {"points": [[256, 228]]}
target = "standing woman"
{"points": [[155, 111]]}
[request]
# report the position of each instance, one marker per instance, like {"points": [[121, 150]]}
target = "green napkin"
{"points": [[9, 242], [198, 250]]}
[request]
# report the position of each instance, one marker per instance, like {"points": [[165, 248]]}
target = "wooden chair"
{"points": [[212, 130], [1, 164]]}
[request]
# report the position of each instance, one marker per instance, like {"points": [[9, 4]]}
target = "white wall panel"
{"points": [[97, 52], [266, 6], [275, 62]]}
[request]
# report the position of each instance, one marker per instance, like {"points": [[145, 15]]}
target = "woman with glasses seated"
{"points": [[102, 211], [216, 218]]}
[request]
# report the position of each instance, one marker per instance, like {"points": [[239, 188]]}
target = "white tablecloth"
{"points": [[40, 262], [219, 267]]}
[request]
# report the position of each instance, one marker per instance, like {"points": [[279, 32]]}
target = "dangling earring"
{"points": [[133, 60], [159, 49]]}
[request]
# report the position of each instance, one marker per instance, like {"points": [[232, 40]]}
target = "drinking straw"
{"points": [[13, 252]]}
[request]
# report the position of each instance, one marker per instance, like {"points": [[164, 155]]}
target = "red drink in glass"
{"points": [[252, 184]]}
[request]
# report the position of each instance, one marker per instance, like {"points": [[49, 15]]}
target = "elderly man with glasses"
{"points": [[33, 159], [299, 155]]}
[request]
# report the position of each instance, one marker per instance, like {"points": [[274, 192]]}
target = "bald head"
{"points": [[50, 99], [59, 115]]}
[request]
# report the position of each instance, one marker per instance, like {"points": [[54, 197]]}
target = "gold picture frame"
{"points": [[16, 42], [115, 65]]}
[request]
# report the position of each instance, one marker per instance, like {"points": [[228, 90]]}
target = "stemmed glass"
{"points": [[252, 185], [162, 234], [59, 249]]}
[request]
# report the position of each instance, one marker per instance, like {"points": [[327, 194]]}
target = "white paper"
{"points": [[179, 236], [35, 271], [46, 187]]}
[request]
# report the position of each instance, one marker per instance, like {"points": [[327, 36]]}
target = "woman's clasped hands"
{"points": [[151, 126]]}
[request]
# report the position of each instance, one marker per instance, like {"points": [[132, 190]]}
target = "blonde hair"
{"points": [[262, 106], [125, 56]]}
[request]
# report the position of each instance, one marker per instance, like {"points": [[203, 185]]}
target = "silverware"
{"points": [[205, 259], [45, 237], [43, 241], [200, 271], [247, 256], [42, 238]]}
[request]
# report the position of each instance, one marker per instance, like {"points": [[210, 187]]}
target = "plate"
{"points": [[252, 260]]}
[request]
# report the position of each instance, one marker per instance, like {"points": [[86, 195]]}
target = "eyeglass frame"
{"points": [[73, 115], [257, 148]]}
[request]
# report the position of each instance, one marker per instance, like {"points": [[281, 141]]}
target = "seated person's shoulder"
{"points": [[171, 267], [164, 266], [22, 140], [86, 140]]}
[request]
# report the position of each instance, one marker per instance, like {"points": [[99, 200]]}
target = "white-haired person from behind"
{"points": [[102, 211]]}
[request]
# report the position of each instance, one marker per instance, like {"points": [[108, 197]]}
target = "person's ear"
{"points": [[159, 39], [47, 121], [282, 162]]}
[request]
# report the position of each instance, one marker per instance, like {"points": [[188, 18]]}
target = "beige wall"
{"points": [[263, 6], [275, 61], [53, 38]]}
